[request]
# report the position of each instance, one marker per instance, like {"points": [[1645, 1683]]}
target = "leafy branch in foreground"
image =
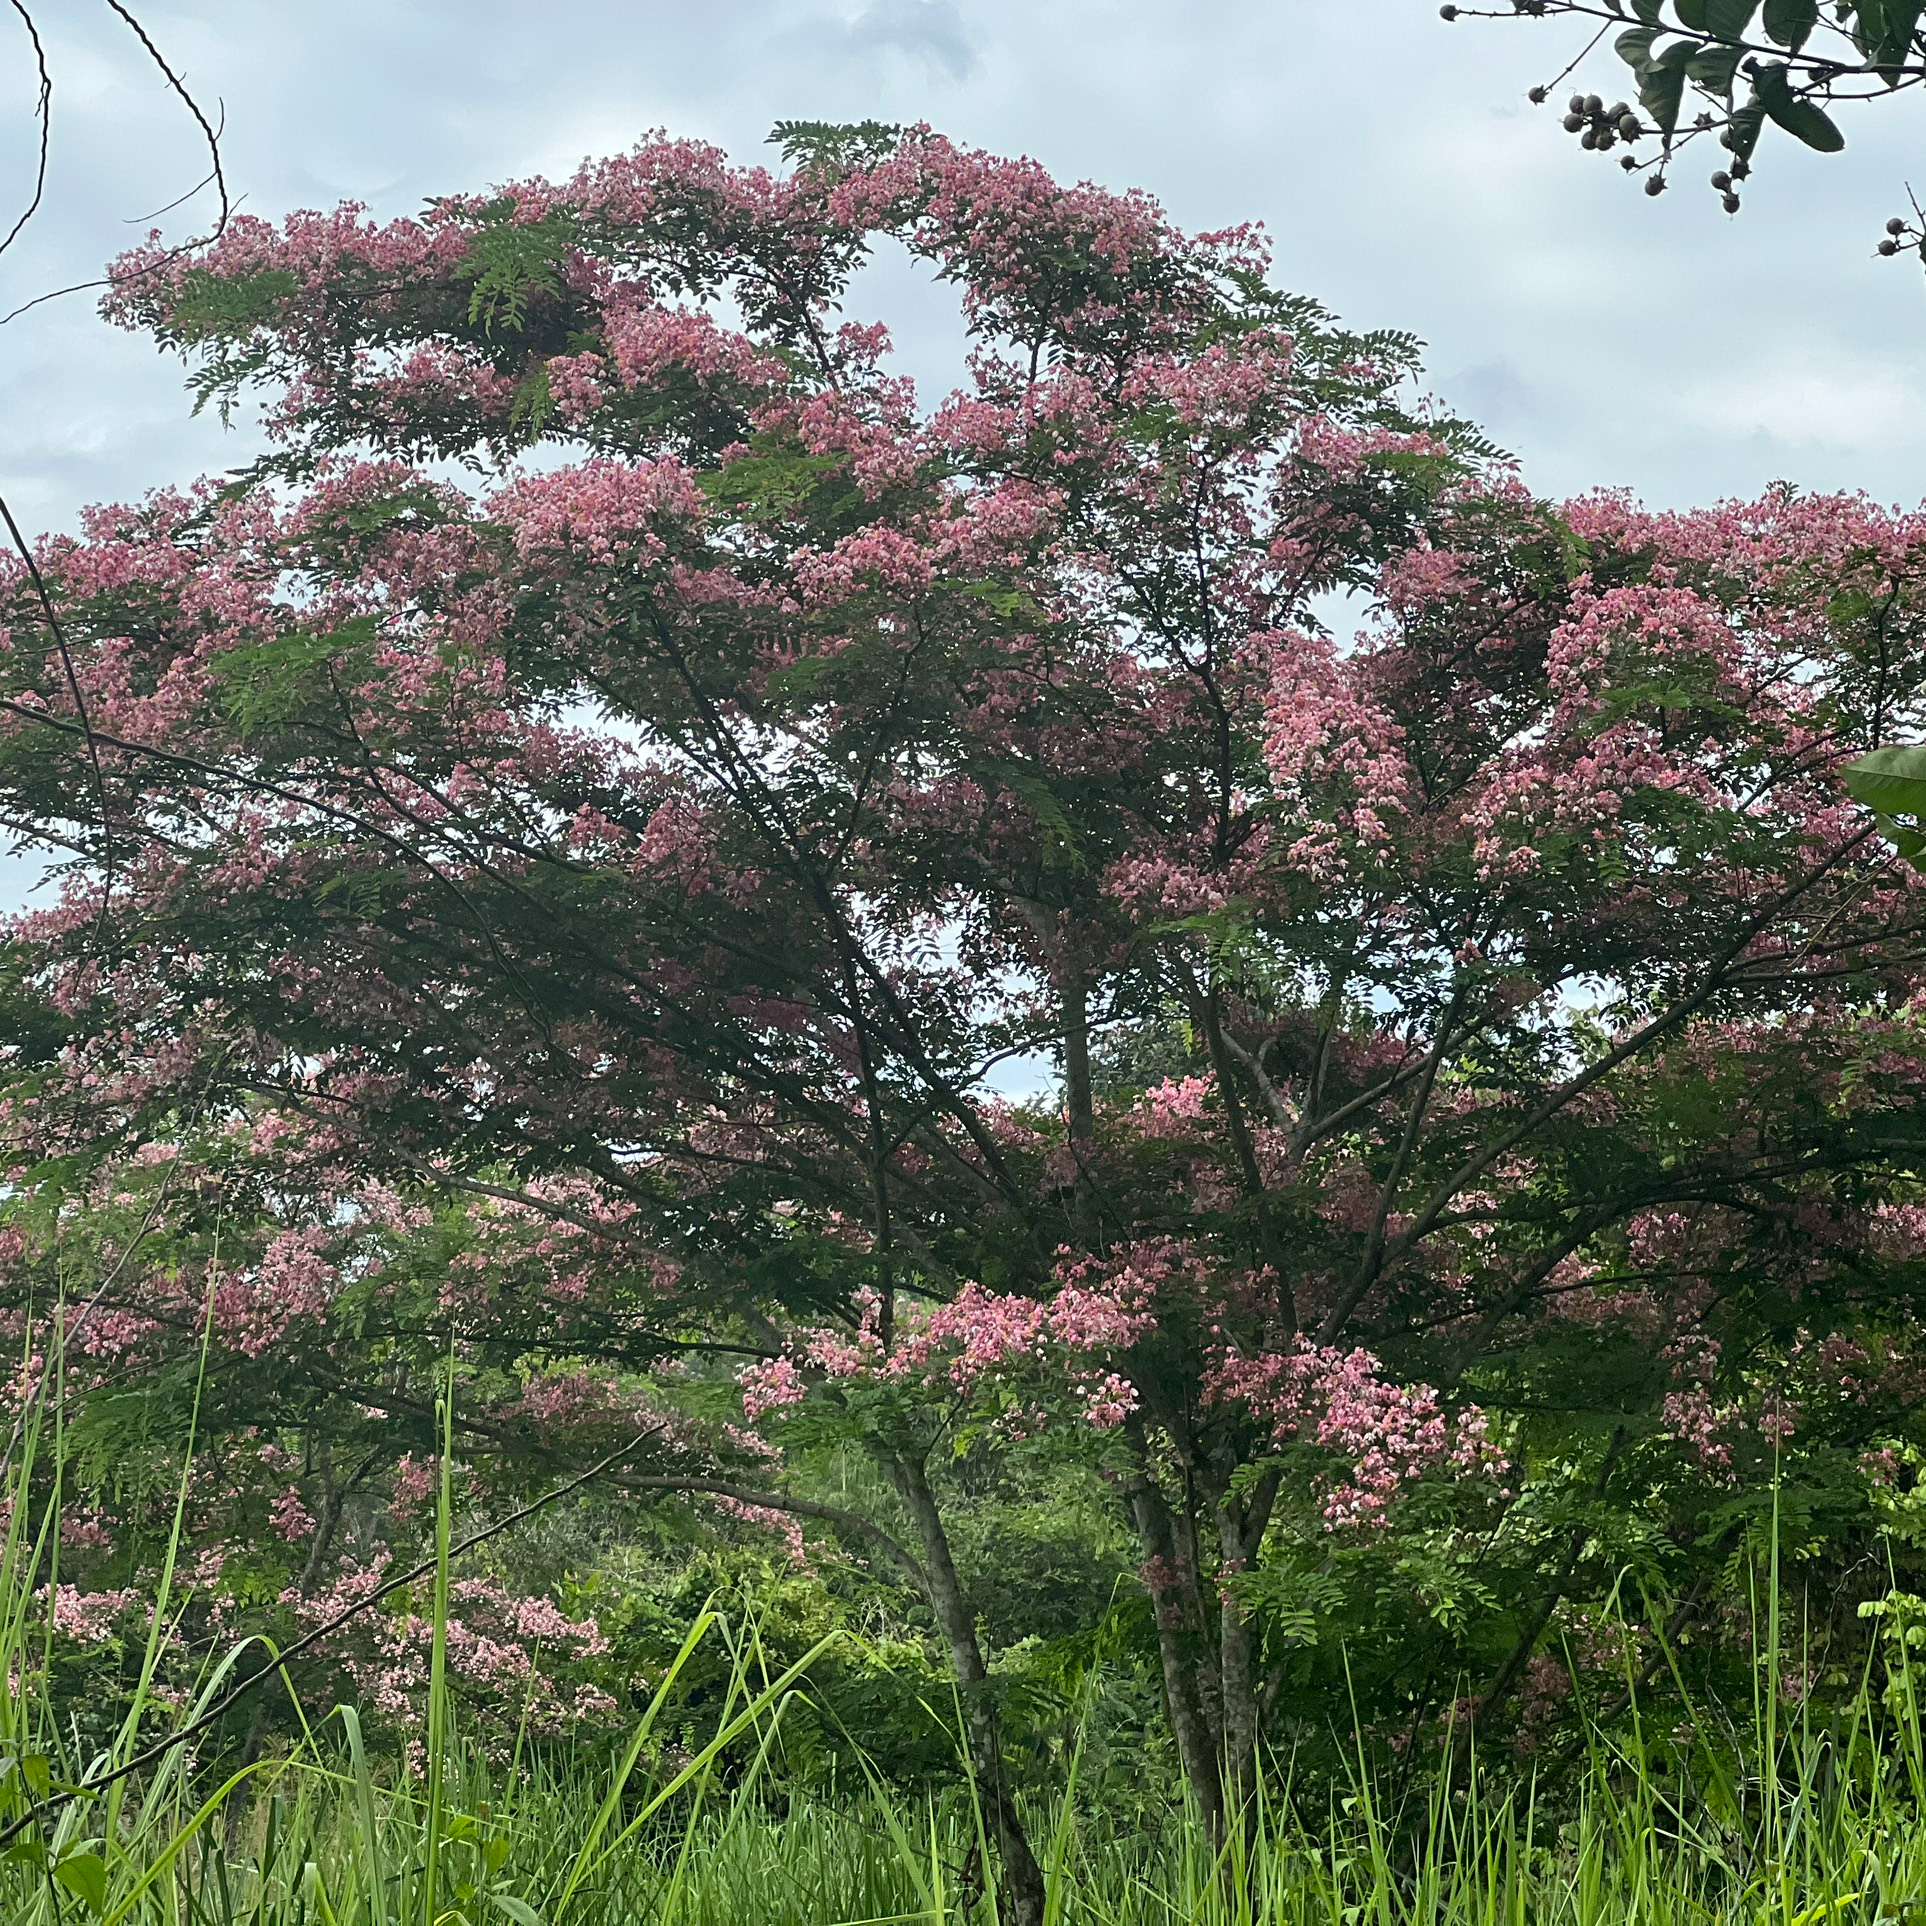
{"points": [[1732, 72]]}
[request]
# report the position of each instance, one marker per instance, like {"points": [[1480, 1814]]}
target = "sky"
{"points": [[1605, 338]]}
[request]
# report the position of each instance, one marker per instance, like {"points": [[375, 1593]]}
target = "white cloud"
{"points": [[930, 31]]}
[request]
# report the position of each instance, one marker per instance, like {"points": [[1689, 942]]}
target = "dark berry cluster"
{"points": [[1902, 234]]}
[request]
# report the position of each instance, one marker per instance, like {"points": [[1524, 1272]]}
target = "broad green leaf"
{"points": [[1634, 46], [1691, 14], [519, 1910], [1800, 118], [1790, 22], [1648, 10], [1744, 128], [1891, 36], [1713, 67], [1909, 842], [1891, 781], [84, 1874], [1661, 85], [1728, 19]]}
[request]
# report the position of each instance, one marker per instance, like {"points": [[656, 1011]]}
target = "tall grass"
{"points": [[1782, 1822], [327, 1841]]}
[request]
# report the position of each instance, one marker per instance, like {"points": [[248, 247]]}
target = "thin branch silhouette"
{"points": [[211, 130]]}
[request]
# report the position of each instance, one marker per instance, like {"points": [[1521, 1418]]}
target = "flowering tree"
{"points": [[652, 855]]}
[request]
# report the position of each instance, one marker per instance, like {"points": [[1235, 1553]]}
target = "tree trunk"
{"points": [[1079, 1097], [313, 1569], [1179, 1643], [1022, 1876], [1241, 1525]]}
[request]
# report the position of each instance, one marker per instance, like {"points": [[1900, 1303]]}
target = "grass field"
{"points": [[1767, 1816], [1790, 1828]]}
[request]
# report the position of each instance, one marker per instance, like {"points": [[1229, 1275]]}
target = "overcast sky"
{"points": [[1604, 337]]}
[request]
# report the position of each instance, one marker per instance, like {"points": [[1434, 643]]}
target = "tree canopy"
{"points": [[558, 858]]}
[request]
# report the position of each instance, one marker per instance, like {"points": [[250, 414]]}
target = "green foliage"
{"points": [[215, 307], [511, 261], [834, 147]]}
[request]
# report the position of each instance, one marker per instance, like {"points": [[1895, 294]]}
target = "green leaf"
{"points": [[267, 682], [762, 486], [1648, 11], [835, 147], [1890, 30], [1691, 14], [1800, 118], [1713, 67], [519, 1910], [1909, 842], [84, 1874], [1744, 128], [1661, 86], [510, 260], [1634, 46], [1728, 19], [1891, 781], [1790, 22], [1061, 845]]}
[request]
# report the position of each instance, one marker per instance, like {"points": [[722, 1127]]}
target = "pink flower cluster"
{"points": [[1387, 1434], [982, 1338]]}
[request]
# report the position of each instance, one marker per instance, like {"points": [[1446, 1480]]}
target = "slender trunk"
{"points": [[1073, 1016], [1210, 1018], [1241, 1524], [1022, 1876], [313, 1568], [1178, 1647], [1237, 1672], [1078, 1096]]}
